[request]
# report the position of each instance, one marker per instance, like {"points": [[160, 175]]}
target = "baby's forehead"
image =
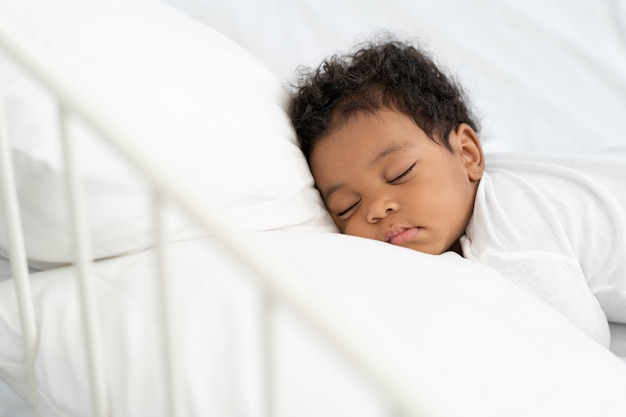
{"points": [[367, 138]]}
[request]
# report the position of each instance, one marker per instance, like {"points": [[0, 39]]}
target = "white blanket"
{"points": [[458, 334]]}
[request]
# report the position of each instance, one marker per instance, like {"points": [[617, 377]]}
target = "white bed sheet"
{"points": [[11, 405], [536, 70], [5, 268]]}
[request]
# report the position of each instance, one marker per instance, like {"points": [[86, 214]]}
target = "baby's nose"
{"points": [[381, 208]]}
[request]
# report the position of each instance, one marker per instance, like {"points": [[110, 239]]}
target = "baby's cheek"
{"points": [[354, 229], [347, 229]]}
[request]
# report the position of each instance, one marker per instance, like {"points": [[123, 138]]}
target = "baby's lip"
{"points": [[400, 235]]}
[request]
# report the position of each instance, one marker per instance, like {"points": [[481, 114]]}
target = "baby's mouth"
{"points": [[401, 235]]}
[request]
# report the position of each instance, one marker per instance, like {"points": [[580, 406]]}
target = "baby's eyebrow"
{"points": [[326, 194], [395, 147]]}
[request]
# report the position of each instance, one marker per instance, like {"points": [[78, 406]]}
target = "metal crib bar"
{"points": [[171, 362], [267, 354], [84, 257], [17, 255]]}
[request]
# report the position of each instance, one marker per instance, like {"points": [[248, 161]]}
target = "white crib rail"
{"points": [[83, 262], [19, 266], [274, 276]]}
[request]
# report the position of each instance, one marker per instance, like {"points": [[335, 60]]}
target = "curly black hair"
{"points": [[379, 74]]}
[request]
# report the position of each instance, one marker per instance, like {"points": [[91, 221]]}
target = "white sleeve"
{"points": [[558, 281]]}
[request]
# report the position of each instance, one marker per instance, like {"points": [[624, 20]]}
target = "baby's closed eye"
{"points": [[343, 213], [405, 173]]}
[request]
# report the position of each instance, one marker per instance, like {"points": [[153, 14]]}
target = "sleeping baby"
{"points": [[395, 154]]}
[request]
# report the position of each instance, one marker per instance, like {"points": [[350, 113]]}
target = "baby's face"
{"points": [[382, 178]]}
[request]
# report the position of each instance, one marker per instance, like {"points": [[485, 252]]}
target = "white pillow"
{"points": [[202, 107], [461, 336]]}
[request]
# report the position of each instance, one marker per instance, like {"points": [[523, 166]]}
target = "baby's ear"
{"points": [[470, 150]]}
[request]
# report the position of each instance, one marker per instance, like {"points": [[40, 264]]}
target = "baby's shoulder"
{"points": [[558, 203], [593, 180]]}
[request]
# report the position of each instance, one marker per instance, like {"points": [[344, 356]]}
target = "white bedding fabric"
{"points": [[460, 334], [544, 75], [451, 328], [11, 405], [618, 340], [5, 268], [155, 74]]}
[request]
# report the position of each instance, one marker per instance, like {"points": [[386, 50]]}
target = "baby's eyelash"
{"points": [[344, 212], [404, 174]]}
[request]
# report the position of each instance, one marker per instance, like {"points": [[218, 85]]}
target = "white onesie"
{"points": [[556, 226]]}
